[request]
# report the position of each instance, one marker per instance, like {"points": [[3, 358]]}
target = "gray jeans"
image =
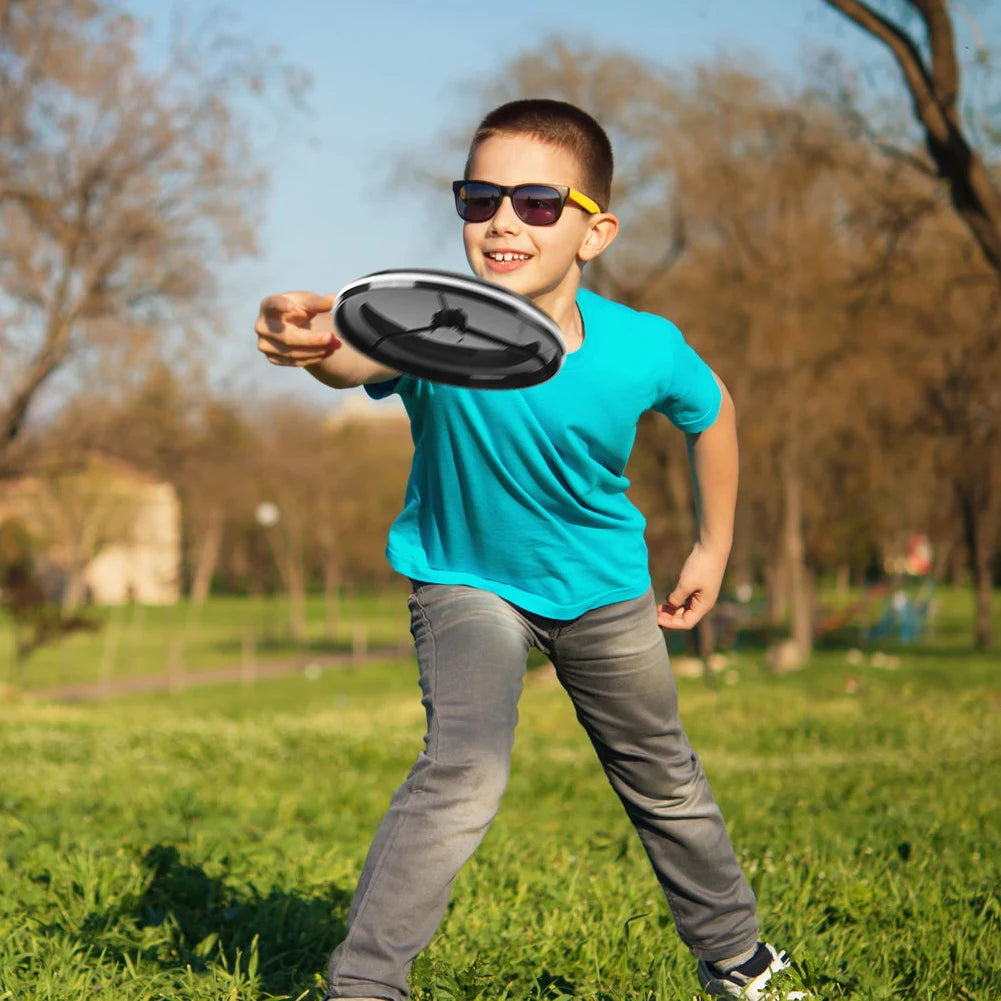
{"points": [[472, 647]]}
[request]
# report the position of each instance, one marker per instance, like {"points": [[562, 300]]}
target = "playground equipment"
{"points": [[904, 615]]}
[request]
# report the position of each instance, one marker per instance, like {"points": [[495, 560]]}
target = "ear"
{"points": [[601, 231]]}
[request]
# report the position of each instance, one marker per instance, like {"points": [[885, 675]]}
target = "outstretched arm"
{"points": [[714, 460]]}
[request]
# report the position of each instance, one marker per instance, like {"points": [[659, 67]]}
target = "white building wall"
{"points": [[147, 567]]}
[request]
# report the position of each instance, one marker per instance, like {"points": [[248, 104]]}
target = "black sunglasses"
{"points": [[535, 204]]}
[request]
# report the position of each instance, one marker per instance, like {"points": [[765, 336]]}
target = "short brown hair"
{"points": [[560, 124]]}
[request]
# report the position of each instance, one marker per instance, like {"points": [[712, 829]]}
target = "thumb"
{"points": [[678, 597]]}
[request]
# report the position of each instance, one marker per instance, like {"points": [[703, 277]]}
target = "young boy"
{"points": [[516, 532]]}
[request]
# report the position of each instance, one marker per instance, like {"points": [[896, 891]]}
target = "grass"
{"points": [[204, 845], [188, 639]]}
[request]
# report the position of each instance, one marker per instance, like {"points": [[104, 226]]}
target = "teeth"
{"points": [[509, 257]]}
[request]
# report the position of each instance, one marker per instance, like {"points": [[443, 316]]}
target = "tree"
{"points": [[81, 506], [785, 246], [35, 619], [951, 324], [932, 76], [120, 187], [766, 184], [337, 484], [958, 398], [215, 480]]}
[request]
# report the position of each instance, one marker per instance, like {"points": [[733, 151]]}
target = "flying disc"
{"points": [[450, 328]]}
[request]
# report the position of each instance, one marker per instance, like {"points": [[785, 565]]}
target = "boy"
{"points": [[516, 532]]}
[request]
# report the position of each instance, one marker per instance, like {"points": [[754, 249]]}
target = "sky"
{"points": [[389, 78]]}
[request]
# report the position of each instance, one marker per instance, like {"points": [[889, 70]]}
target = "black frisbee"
{"points": [[449, 328]]}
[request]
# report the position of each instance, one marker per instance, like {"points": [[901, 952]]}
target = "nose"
{"points": [[505, 219]]}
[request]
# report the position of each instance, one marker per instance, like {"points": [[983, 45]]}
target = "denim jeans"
{"points": [[472, 648]]}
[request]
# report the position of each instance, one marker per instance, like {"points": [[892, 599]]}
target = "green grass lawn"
{"points": [[205, 845], [189, 640]]}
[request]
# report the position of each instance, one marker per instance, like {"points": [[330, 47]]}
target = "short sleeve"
{"points": [[381, 390], [692, 396]]}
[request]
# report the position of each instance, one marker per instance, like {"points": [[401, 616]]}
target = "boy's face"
{"points": [[541, 262]]}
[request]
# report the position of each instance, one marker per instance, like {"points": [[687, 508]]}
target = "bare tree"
{"points": [[733, 196], [786, 247], [953, 398], [932, 79], [121, 187]]}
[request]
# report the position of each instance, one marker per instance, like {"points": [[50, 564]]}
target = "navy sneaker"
{"points": [[748, 981]]}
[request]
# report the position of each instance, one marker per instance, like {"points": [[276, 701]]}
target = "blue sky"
{"points": [[388, 78]]}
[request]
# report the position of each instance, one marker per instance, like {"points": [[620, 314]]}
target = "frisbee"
{"points": [[449, 328]]}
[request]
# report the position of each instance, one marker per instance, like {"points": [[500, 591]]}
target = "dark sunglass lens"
{"points": [[537, 204], [477, 202]]}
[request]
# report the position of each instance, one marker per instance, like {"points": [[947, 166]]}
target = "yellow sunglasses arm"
{"points": [[584, 202]]}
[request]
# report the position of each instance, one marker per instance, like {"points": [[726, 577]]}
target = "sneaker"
{"points": [[749, 980]]}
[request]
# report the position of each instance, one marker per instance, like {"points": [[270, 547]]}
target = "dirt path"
{"points": [[179, 681]]}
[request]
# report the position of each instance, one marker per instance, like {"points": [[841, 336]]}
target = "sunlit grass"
{"points": [[204, 845], [226, 633]]}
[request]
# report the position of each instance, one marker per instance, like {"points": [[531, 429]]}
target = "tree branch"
{"points": [[919, 82], [945, 69], [972, 189]]}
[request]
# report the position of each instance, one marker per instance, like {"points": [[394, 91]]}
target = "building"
{"points": [[105, 533]]}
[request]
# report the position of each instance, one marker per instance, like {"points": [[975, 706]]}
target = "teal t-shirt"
{"points": [[522, 492]]}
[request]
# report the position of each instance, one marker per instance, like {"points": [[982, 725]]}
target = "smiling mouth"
{"points": [[506, 256]]}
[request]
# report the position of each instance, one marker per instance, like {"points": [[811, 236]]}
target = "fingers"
{"points": [[295, 304], [681, 611], [678, 618], [296, 328], [298, 349]]}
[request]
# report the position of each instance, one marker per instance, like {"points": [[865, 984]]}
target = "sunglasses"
{"points": [[535, 204]]}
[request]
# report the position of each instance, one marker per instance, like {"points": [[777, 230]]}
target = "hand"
{"points": [[696, 592], [296, 328]]}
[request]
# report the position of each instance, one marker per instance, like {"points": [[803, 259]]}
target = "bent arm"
{"points": [[715, 472], [714, 460]]}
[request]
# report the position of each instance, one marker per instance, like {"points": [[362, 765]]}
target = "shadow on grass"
{"points": [[283, 646], [201, 915]]}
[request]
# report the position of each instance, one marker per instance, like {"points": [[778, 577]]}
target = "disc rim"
{"points": [[469, 286]]}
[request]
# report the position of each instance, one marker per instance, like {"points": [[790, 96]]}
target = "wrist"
{"points": [[717, 546]]}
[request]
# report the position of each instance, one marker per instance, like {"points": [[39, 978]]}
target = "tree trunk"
{"points": [[296, 585], [75, 590], [777, 588], [794, 551], [285, 540], [208, 558], [984, 617], [980, 537], [331, 595]]}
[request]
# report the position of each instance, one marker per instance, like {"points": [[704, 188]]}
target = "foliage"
{"points": [[120, 185], [35, 620], [205, 845], [833, 289]]}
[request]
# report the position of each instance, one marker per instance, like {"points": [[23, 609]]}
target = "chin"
{"points": [[516, 281]]}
